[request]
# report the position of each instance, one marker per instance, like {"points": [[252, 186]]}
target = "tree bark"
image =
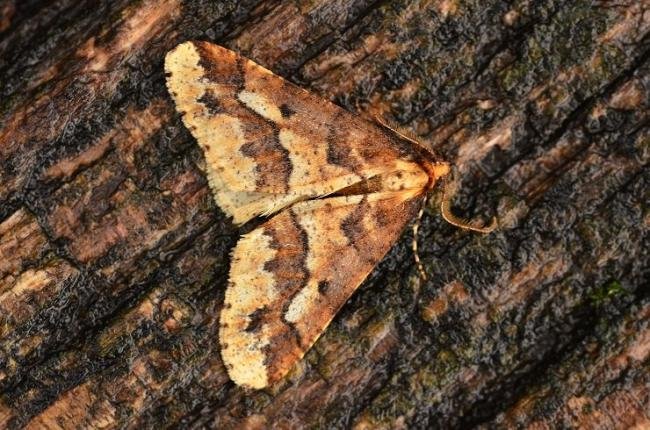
{"points": [[114, 258]]}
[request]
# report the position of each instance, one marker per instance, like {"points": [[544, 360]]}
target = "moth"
{"points": [[338, 191]]}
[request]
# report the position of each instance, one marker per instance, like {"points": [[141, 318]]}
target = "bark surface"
{"points": [[114, 258]]}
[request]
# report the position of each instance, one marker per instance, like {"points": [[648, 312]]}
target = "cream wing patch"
{"points": [[239, 344], [221, 137], [261, 105]]}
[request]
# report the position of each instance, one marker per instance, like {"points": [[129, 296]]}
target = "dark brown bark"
{"points": [[114, 258]]}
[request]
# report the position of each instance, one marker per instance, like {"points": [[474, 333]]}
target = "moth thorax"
{"points": [[402, 180]]}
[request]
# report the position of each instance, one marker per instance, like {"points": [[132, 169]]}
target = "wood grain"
{"points": [[113, 257]]}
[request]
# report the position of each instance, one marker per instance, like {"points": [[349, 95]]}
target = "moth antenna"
{"points": [[445, 210], [405, 134], [414, 244], [399, 130]]}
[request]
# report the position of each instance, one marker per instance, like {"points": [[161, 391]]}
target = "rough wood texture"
{"points": [[113, 257]]}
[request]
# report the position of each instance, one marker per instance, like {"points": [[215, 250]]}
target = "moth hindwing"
{"points": [[340, 190]]}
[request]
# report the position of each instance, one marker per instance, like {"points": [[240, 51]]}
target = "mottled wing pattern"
{"points": [[267, 142], [290, 276], [343, 189]]}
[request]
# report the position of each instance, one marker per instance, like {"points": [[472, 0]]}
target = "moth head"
{"points": [[436, 171], [441, 169]]}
